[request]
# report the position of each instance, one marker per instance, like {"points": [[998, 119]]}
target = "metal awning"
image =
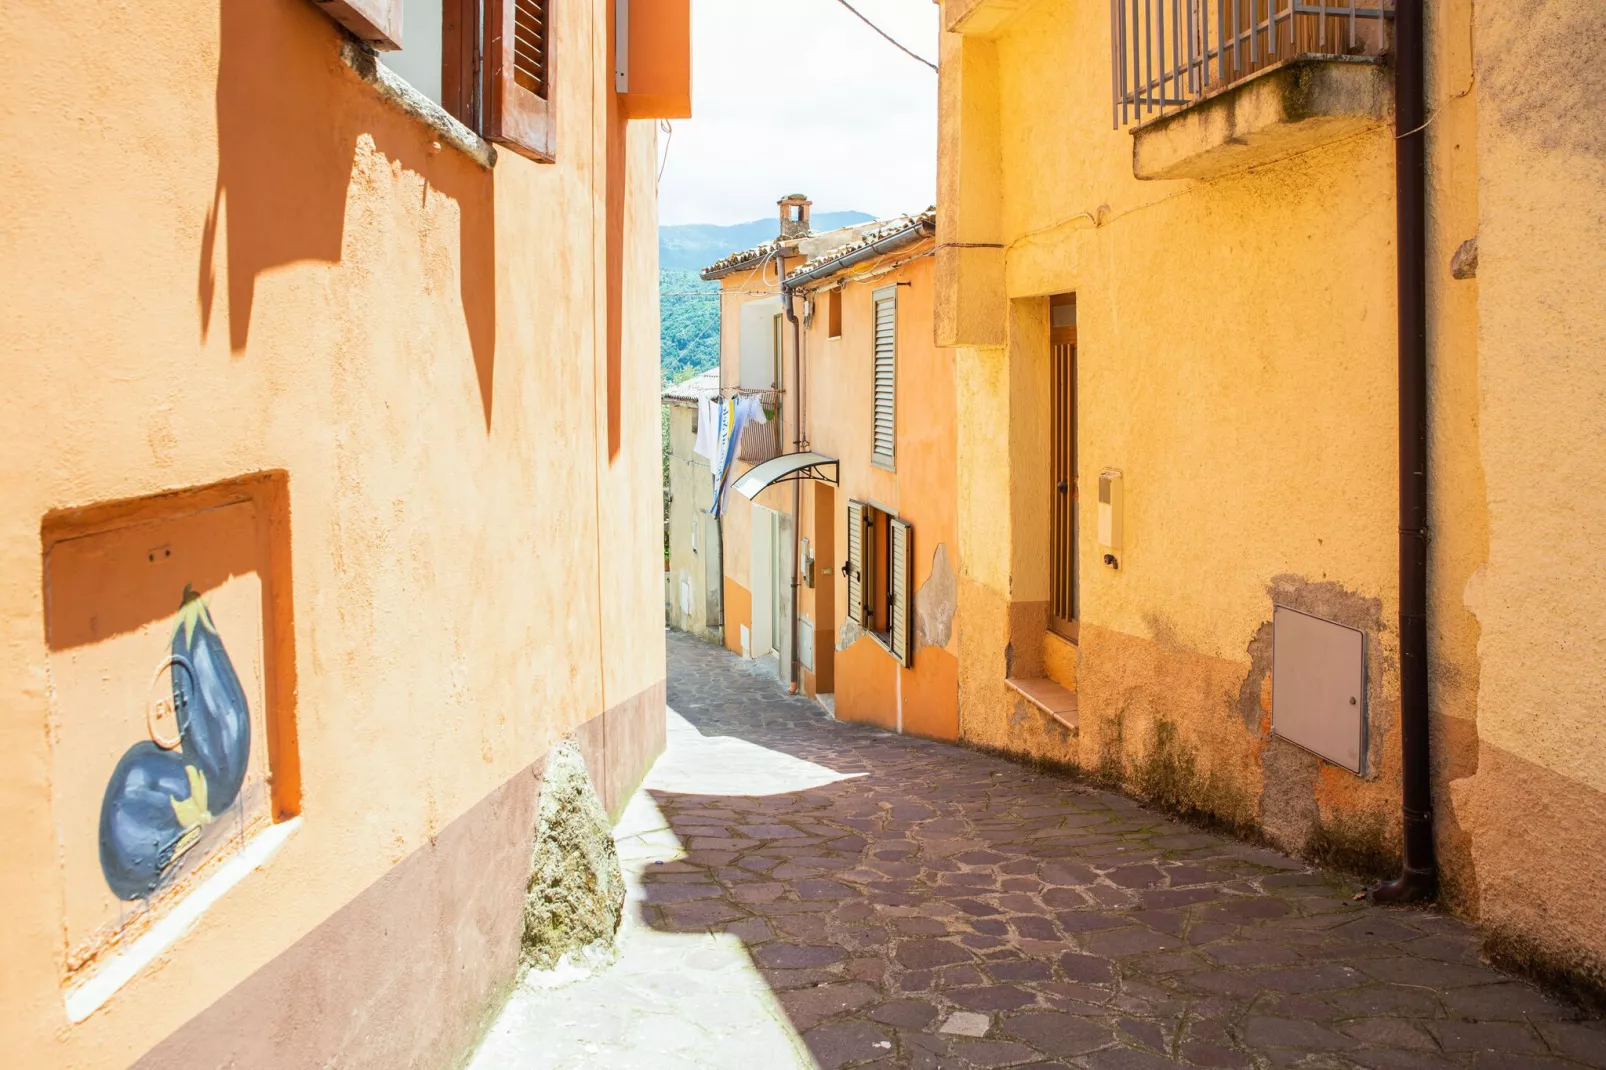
{"points": [[788, 466]]}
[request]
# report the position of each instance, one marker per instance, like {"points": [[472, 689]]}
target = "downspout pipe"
{"points": [[1418, 876], [797, 446]]}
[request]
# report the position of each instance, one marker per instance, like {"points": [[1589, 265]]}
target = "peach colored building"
{"points": [[839, 535], [331, 505]]}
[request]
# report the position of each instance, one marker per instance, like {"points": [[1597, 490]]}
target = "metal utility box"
{"points": [[1318, 687], [805, 643]]}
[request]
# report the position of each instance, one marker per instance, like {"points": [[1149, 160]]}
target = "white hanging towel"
{"points": [[707, 444]]}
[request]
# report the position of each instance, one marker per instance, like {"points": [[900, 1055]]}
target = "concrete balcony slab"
{"points": [[1296, 106]]}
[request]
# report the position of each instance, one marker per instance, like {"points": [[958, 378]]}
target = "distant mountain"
{"points": [[692, 246]]}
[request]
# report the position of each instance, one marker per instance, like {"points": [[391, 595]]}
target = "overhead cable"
{"points": [[892, 40]]}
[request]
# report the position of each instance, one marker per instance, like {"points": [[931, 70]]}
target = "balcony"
{"points": [[762, 441], [1210, 87]]}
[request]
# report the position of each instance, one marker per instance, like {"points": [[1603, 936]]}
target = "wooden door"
{"points": [[1063, 506]]}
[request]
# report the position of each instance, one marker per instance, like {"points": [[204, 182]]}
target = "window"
{"points": [[884, 366], [833, 314], [758, 342], [778, 345], [1062, 448], [420, 60], [880, 560], [486, 62]]}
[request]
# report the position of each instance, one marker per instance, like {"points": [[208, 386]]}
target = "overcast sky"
{"points": [[798, 96]]}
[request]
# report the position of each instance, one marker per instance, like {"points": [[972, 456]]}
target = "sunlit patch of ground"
{"points": [[664, 1000]]}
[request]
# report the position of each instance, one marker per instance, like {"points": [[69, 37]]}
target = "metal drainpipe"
{"points": [[797, 447], [1418, 876]]}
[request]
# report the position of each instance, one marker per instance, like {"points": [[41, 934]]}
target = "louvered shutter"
{"points": [[885, 364], [518, 52], [900, 581], [856, 543]]}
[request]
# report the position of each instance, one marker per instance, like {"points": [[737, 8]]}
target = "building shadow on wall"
{"points": [[290, 114]]}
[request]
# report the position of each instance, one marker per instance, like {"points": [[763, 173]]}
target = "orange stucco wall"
{"points": [[242, 259], [738, 614], [659, 61], [870, 685]]}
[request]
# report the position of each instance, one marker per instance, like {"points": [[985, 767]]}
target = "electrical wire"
{"points": [[892, 40], [668, 128]]}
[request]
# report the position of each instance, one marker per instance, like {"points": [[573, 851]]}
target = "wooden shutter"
{"points": [[377, 23], [856, 544], [519, 76], [1062, 466], [886, 380], [900, 583]]}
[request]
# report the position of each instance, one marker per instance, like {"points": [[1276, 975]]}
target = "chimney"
{"points": [[794, 216]]}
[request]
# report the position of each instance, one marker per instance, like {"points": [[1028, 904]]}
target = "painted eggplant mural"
{"points": [[213, 720], [163, 793]]}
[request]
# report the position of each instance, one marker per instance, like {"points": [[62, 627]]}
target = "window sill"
{"points": [[1282, 111], [396, 89], [88, 996]]}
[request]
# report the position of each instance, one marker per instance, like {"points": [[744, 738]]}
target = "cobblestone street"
{"points": [[927, 906]]}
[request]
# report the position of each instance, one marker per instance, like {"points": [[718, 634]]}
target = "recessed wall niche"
{"points": [[172, 685]]}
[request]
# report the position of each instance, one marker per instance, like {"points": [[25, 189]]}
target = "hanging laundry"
{"points": [[707, 444], [735, 414], [724, 452], [760, 437]]}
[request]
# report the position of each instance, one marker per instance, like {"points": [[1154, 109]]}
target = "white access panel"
{"points": [[1318, 687]]}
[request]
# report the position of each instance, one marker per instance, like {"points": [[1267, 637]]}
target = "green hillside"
{"points": [[689, 335]]}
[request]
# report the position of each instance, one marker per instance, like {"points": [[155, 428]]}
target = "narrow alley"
{"points": [[802, 888]]}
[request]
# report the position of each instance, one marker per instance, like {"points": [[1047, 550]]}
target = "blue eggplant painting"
{"points": [[213, 719], [158, 801]]}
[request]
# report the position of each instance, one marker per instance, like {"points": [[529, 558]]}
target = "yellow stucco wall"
{"points": [[1237, 365], [241, 259], [693, 545], [1532, 797], [758, 283]]}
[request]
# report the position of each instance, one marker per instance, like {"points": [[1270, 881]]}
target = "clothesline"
{"points": [[719, 430]]}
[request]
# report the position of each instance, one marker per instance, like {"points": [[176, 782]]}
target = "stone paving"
{"points": [[918, 905]]}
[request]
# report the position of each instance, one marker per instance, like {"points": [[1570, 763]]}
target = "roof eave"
{"points": [[918, 231]]}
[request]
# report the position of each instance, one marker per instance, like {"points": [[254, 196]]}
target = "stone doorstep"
{"points": [[1056, 700]]}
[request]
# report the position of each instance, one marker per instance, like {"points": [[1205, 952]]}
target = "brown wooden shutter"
{"points": [[377, 23], [900, 583], [519, 76], [1062, 467], [886, 380], [856, 544]]}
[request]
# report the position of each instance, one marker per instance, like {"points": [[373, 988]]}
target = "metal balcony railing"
{"points": [[1166, 54]]}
